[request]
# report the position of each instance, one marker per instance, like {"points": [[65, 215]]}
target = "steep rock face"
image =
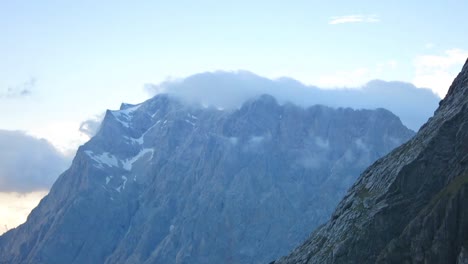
{"points": [[410, 206], [166, 182]]}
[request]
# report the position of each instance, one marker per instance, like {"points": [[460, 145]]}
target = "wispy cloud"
{"points": [[355, 77], [91, 126], [20, 90], [438, 71], [354, 19]]}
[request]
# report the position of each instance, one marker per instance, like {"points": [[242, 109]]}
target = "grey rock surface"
{"points": [[409, 206], [167, 182]]}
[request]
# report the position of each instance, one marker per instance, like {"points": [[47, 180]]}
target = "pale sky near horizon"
{"points": [[62, 62]]}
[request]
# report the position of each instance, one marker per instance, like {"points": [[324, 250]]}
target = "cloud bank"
{"points": [[230, 89], [28, 164]]}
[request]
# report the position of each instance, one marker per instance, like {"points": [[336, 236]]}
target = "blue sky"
{"points": [[78, 58]]}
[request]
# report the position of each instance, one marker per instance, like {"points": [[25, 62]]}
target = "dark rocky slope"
{"points": [[410, 206], [166, 182]]}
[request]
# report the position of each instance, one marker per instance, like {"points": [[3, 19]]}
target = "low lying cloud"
{"points": [[20, 90], [230, 89], [353, 19], [27, 163], [438, 71]]}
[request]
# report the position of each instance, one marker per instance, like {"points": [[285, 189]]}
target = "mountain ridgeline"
{"points": [[169, 182], [411, 205], [231, 89]]}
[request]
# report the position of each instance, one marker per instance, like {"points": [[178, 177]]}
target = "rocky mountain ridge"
{"points": [[409, 206], [166, 182]]}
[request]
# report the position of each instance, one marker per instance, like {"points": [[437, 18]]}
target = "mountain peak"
{"points": [[409, 206], [169, 182]]}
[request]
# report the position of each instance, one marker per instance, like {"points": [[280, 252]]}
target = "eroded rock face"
{"points": [[166, 182], [411, 205]]}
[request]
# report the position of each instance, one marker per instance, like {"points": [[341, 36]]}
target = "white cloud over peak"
{"points": [[353, 19], [351, 78], [438, 71], [231, 89], [355, 77]]}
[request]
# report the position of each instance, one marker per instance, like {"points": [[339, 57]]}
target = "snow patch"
{"points": [[192, 116], [128, 164], [125, 116], [130, 110], [124, 182], [103, 159], [140, 140], [133, 140], [190, 122]]}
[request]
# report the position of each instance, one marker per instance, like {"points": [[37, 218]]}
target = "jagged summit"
{"points": [[409, 206], [168, 182]]}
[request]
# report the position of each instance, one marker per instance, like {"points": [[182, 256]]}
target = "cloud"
{"points": [[27, 163], [91, 126], [335, 20], [438, 71], [64, 135], [15, 208], [354, 77], [230, 89], [20, 90]]}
